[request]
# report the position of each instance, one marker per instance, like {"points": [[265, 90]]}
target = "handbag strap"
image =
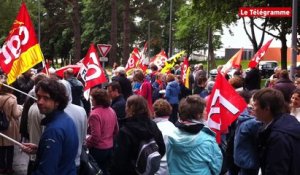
{"points": [[5, 102]]}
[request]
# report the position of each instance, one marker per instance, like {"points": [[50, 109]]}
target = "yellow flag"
{"points": [[170, 63]]}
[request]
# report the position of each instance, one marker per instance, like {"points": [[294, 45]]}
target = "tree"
{"points": [[113, 33]]}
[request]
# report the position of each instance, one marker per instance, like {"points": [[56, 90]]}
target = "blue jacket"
{"points": [[58, 146], [193, 153], [245, 142], [172, 92], [279, 146]]}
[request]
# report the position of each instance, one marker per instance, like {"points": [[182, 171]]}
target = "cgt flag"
{"points": [[159, 59], [21, 50], [185, 72], [132, 62], [223, 106], [259, 54], [95, 74]]}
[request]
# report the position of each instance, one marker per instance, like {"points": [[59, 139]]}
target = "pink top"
{"points": [[103, 126]]}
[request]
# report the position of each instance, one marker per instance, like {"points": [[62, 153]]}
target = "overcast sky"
{"points": [[239, 38]]}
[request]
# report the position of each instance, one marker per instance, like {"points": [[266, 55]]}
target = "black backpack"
{"points": [[148, 159], [4, 123]]}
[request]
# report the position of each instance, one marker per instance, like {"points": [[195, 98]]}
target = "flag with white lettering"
{"points": [[223, 106], [21, 50], [132, 61], [259, 54], [95, 74], [159, 59]]}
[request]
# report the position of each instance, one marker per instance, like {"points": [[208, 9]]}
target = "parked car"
{"points": [[266, 68]]}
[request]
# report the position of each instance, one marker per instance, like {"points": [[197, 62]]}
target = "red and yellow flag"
{"points": [[185, 72], [21, 50]]}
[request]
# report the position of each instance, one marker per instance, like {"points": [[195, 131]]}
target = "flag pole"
{"points": [[12, 140], [18, 91]]}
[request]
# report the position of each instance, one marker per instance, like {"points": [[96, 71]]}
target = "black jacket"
{"points": [[279, 146], [125, 85], [140, 128], [118, 104]]}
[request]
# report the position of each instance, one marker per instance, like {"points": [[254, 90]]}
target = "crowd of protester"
{"points": [[56, 127]]}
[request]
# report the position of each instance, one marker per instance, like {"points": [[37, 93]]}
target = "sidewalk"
{"points": [[20, 162]]}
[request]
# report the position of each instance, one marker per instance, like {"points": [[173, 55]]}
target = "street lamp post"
{"points": [[170, 30], [294, 37]]}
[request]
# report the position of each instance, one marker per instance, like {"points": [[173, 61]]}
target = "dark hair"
{"points": [[153, 67], [115, 85], [271, 98], [136, 105], [296, 91], [246, 95], [101, 97], [236, 82], [38, 77], [162, 108], [170, 77], [138, 76], [4, 89], [190, 107], [284, 74], [56, 90]]}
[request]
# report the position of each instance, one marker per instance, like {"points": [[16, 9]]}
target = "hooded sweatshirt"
{"points": [[279, 146], [133, 131], [190, 153]]}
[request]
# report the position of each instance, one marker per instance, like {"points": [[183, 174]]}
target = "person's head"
{"points": [[191, 108], [202, 81], [162, 108], [295, 99], [136, 105], [100, 97], [68, 73], [267, 104], [114, 89], [51, 96], [170, 77], [4, 89], [297, 82], [138, 76], [210, 86], [236, 82], [120, 71], [38, 77], [28, 73], [284, 74], [200, 66], [153, 67]]}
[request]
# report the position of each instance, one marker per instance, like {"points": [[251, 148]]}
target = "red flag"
{"points": [[21, 50], [60, 72], [95, 74], [159, 59], [259, 54], [235, 61], [185, 72], [132, 61], [223, 106]]}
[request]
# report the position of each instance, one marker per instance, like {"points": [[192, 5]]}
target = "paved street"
{"points": [[20, 162]]}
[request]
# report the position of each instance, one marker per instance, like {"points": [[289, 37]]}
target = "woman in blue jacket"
{"points": [[192, 148]]}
